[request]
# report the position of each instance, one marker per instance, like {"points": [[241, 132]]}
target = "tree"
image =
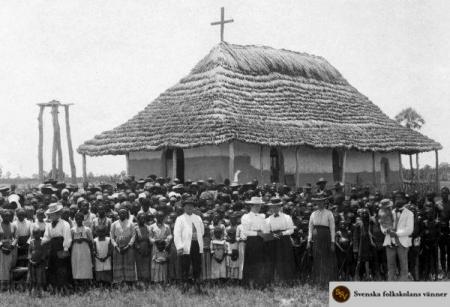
{"points": [[412, 120]]}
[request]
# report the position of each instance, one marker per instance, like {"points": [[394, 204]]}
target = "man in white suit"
{"points": [[188, 239], [403, 228]]}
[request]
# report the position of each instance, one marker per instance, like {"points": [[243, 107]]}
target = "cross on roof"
{"points": [[222, 22]]}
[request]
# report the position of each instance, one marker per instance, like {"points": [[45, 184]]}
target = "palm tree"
{"points": [[412, 120]]}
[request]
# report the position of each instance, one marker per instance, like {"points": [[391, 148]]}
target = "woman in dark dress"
{"points": [[321, 238]]}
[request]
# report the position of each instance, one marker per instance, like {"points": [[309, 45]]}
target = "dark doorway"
{"points": [[276, 165], [384, 170], [337, 161], [179, 172], [180, 164]]}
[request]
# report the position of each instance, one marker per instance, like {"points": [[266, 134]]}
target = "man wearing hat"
{"points": [[322, 187], [58, 236], [282, 227], [443, 207], [188, 239], [401, 232]]}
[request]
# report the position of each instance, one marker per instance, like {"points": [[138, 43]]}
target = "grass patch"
{"points": [[303, 295]]}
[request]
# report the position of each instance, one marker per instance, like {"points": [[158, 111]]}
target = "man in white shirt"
{"points": [[403, 228], [188, 239]]}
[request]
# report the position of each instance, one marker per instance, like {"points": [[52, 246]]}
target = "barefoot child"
{"points": [[37, 261]]}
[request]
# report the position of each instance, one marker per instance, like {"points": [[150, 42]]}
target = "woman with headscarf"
{"points": [[123, 235], [321, 238], [57, 234], [8, 241]]}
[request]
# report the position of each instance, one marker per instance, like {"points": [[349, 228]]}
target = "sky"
{"points": [[111, 58]]}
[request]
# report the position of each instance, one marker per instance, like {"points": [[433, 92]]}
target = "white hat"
{"points": [[255, 200], [142, 195], [54, 208]]}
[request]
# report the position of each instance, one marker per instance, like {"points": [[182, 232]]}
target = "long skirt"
{"points": [[159, 265], [254, 260], [6, 264], [284, 261], [123, 266], [59, 274], [81, 261], [206, 264], [241, 259], [36, 275], [143, 265], [174, 264], [218, 269], [324, 260]]}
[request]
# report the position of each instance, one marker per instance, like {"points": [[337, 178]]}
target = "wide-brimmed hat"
{"points": [[255, 200], [48, 189], [386, 203], [188, 201], [321, 180], [319, 199], [54, 208], [274, 201], [4, 190]]}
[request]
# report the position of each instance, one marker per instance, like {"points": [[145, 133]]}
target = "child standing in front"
{"points": [[37, 262], [103, 251], [218, 251]]}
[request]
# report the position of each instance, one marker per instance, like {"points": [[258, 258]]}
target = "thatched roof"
{"points": [[265, 96]]}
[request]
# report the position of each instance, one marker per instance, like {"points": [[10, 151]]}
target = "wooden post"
{"points": [[73, 171], [84, 168], [438, 186], [417, 167], [55, 138], [400, 172], [411, 167], [41, 143], [60, 175], [174, 164], [297, 167], [127, 160], [261, 164], [231, 162], [344, 163], [374, 173]]}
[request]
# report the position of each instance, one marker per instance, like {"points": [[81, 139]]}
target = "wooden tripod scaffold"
{"points": [[57, 172]]}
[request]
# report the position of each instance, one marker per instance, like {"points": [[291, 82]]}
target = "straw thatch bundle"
{"points": [[265, 96]]}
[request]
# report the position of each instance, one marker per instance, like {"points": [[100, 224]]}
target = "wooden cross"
{"points": [[222, 22]]}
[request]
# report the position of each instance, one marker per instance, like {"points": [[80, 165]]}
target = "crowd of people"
{"points": [[61, 238]]}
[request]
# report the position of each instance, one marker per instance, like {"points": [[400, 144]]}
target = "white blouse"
{"points": [[322, 217], [282, 222], [253, 222], [62, 229]]}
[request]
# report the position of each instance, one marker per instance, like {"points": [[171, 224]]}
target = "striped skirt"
{"points": [[206, 265], [123, 266], [324, 260]]}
